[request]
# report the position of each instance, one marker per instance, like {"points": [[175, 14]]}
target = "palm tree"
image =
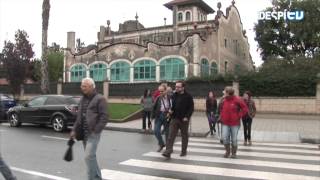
{"points": [[44, 65]]}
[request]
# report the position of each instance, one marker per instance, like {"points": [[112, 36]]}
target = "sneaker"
{"points": [[160, 148]]}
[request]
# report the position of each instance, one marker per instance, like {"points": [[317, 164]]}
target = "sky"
{"points": [[84, 17]]}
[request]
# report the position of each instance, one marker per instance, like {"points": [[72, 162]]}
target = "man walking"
{"points": [[5, 170], [92, 117], [181, 111]]}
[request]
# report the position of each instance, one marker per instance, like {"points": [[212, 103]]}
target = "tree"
{"points": [[289, 39], [55, 65], [44, 66], [16, 60]]}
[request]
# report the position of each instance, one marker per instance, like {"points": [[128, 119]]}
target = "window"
{"points": [[188, 16], [38, 101], [172, 69], [225, 43], [78, 72], [180, 17], [237, 69], [120, 71], [204, 67], [145, 70], [98, 72], [214, 68], [225, 66]]}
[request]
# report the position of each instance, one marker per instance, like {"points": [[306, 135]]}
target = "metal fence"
{"points": [[196, 89]]}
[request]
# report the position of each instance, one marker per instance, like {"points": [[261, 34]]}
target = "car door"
{"points": [[51, 106], [31, 112]]}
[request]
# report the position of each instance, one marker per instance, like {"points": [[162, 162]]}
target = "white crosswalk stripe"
{"points": [[205, 160]]}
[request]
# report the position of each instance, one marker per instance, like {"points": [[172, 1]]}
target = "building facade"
{"points": [[191, 46]]}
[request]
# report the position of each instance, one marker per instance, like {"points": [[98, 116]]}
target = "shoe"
{"points": [[250, 143], [183, 154], [166, 155], [160, 148]]}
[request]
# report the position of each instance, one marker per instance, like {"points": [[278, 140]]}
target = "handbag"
{"points": [[68, 156]]}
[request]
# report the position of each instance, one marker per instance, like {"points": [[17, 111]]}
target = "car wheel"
{"points": [[14, 120], [58, 123]]}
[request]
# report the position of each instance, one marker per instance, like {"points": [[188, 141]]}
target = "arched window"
{"points": [[98, 72], [144, 70], [120, 71], [204, 67], [180, 16], [188, 16], [214, 68], [78, 72], [172, 69]]}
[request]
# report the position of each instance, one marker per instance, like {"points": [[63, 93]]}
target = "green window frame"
{"points": [[78, 72], [172, 69], [214, 68], [98, 71], [120, 72], [144, 70], [205, 67]]}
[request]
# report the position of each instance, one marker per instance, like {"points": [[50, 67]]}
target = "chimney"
{"points": [[71, 39]]}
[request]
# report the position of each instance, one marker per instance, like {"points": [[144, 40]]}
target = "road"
{"points": [[35, 153]]}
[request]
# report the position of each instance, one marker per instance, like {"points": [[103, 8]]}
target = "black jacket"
{"points": [[211, 106], [182, 106]]}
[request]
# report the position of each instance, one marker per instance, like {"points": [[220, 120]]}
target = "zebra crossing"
{"points": [[204, 161]]}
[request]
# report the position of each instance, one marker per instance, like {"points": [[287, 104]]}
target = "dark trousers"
{"points": [[175, 125], [247, 121], [212, 123], [145, 115]]}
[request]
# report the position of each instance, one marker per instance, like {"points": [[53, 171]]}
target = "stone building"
{"points": [[191, 46]]}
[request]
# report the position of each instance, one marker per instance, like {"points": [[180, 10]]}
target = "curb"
{"points": [[134, 130]]}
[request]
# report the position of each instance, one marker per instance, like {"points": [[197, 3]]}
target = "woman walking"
{"points": [[147, 104], [232, 109], [211, 107], [247, 119]]}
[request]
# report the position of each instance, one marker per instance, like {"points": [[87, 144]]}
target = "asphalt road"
{"points": [[36, 153]]}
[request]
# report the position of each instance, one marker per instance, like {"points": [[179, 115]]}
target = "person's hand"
{"points": [[72, 135], [185, 119]]}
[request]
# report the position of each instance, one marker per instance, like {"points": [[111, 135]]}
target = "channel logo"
{"points": [[277, 15]]}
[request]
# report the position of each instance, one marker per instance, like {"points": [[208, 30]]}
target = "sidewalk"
{"points": [[265, 127]]}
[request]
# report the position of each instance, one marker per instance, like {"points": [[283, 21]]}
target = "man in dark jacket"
{"points": [[5, 170], [181, 111], [92, 117]]}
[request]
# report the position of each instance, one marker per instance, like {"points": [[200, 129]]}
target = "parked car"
{"points": [[6, 103], [56, 110]]}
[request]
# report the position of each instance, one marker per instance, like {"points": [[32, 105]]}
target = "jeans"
{"points": [[230, 131], [161, 120], [145, 115], [5, 170], [247, 121], [90, 148]]}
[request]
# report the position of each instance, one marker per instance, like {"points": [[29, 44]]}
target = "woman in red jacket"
{"points": [[232, 110]]}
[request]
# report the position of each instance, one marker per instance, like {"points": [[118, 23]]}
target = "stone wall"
{"points": [[292, 105]]}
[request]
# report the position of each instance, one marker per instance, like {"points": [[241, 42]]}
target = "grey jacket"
{"points": [[96, 115]]}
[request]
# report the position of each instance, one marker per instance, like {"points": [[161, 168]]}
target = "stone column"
{"points": [[71, 41], [196, 55], [318, 95], [235, 85], [106, 89], [59, 86]]}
